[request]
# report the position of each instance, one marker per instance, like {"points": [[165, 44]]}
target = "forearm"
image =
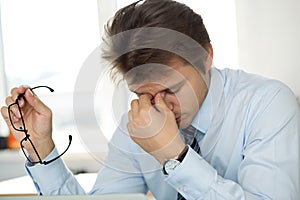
{"points": [[195, 178]]}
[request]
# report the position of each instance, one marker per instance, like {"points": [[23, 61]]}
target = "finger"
{"points": [[9, 100], [22, 89], [129, 128], [16, 92], [130, 118], [14, 109], [134, 109], [145, 101], [15, 121], [36, 103], [4, 113], [138, 116], [160, 103]]}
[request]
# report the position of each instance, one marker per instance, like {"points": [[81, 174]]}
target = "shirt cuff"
{"points": [[193, 177], [48, 178]]}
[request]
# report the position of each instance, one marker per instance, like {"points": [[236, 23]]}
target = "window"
{"points": [[46, 43], [220, 21]]}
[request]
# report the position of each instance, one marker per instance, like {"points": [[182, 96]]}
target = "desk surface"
{"points": [[22, 188], [24, 184]]}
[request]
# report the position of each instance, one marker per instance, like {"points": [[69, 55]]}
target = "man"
{"points": [[195, 132]]}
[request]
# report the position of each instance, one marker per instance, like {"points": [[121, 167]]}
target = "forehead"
{"points": [[153, 75]]}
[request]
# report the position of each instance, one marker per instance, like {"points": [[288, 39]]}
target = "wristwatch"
{"points": [[170, 165]]}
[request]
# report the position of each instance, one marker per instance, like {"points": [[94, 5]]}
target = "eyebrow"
{"points": [[177, 85]]}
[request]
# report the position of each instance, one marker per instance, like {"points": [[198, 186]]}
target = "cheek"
{"points": [[172, 101], [176, 102], [190, 97]]}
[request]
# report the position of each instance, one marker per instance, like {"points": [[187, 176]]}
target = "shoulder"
{"points": [[260, 96], [239, 82], [268, 106]]}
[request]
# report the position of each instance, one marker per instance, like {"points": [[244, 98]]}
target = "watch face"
{"points": [[170, 165]]}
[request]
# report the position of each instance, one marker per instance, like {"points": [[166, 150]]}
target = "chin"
{"points": [[182, 125]]}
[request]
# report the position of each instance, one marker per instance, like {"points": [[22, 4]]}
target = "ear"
{"points": [[210, 51], [209, 60]]}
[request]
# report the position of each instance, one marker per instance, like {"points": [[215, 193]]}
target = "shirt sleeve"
{"points": [[201, 180], [270, 165], [120, 174], [54, 178]]}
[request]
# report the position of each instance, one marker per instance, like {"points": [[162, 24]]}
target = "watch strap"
{"points": [[178, 159], [181, 156]]}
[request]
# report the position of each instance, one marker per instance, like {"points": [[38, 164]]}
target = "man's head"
{"points": [[153, 13], [157, 45]]}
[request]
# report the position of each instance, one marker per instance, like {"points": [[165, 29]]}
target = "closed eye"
{"points": [[169, 91], [173, 90]]}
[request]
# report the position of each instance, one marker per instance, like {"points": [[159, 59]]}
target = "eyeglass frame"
{"points": [[27, 136]]}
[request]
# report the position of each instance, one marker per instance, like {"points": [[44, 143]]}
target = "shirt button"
{"points": [[180, 188]]}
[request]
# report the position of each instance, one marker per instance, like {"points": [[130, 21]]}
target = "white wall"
{"points": [[269, 39], [106, 10]]}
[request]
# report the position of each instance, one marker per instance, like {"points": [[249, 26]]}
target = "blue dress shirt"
{"points": [[250, 150]]}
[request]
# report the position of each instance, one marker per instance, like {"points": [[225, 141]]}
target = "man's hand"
{"points": [[154, 128], [38, 120]]}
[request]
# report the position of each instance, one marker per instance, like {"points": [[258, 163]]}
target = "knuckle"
{"points": [[8, 100], [4, 111], [130, 115], [133, 102], [48, 112], [138, 122], [128, 126], [13, 90], [146, 96], [144, 113]]}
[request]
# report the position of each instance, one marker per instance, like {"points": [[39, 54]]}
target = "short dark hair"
{"points": [[151, 13]]}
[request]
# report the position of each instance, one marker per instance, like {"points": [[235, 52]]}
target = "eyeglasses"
{"points": [[23, 129]]}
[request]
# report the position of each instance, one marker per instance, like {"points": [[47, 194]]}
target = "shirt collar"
{"points": [[203, 118]]}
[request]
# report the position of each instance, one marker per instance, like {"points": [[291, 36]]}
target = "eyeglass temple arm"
{"points": [[49, 161], [41, 86]]}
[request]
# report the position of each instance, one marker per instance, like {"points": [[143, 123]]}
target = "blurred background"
{"points": [[47, 42]]}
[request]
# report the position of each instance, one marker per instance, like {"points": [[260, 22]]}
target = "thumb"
{"points": [[4, 112], [36, 103]]}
